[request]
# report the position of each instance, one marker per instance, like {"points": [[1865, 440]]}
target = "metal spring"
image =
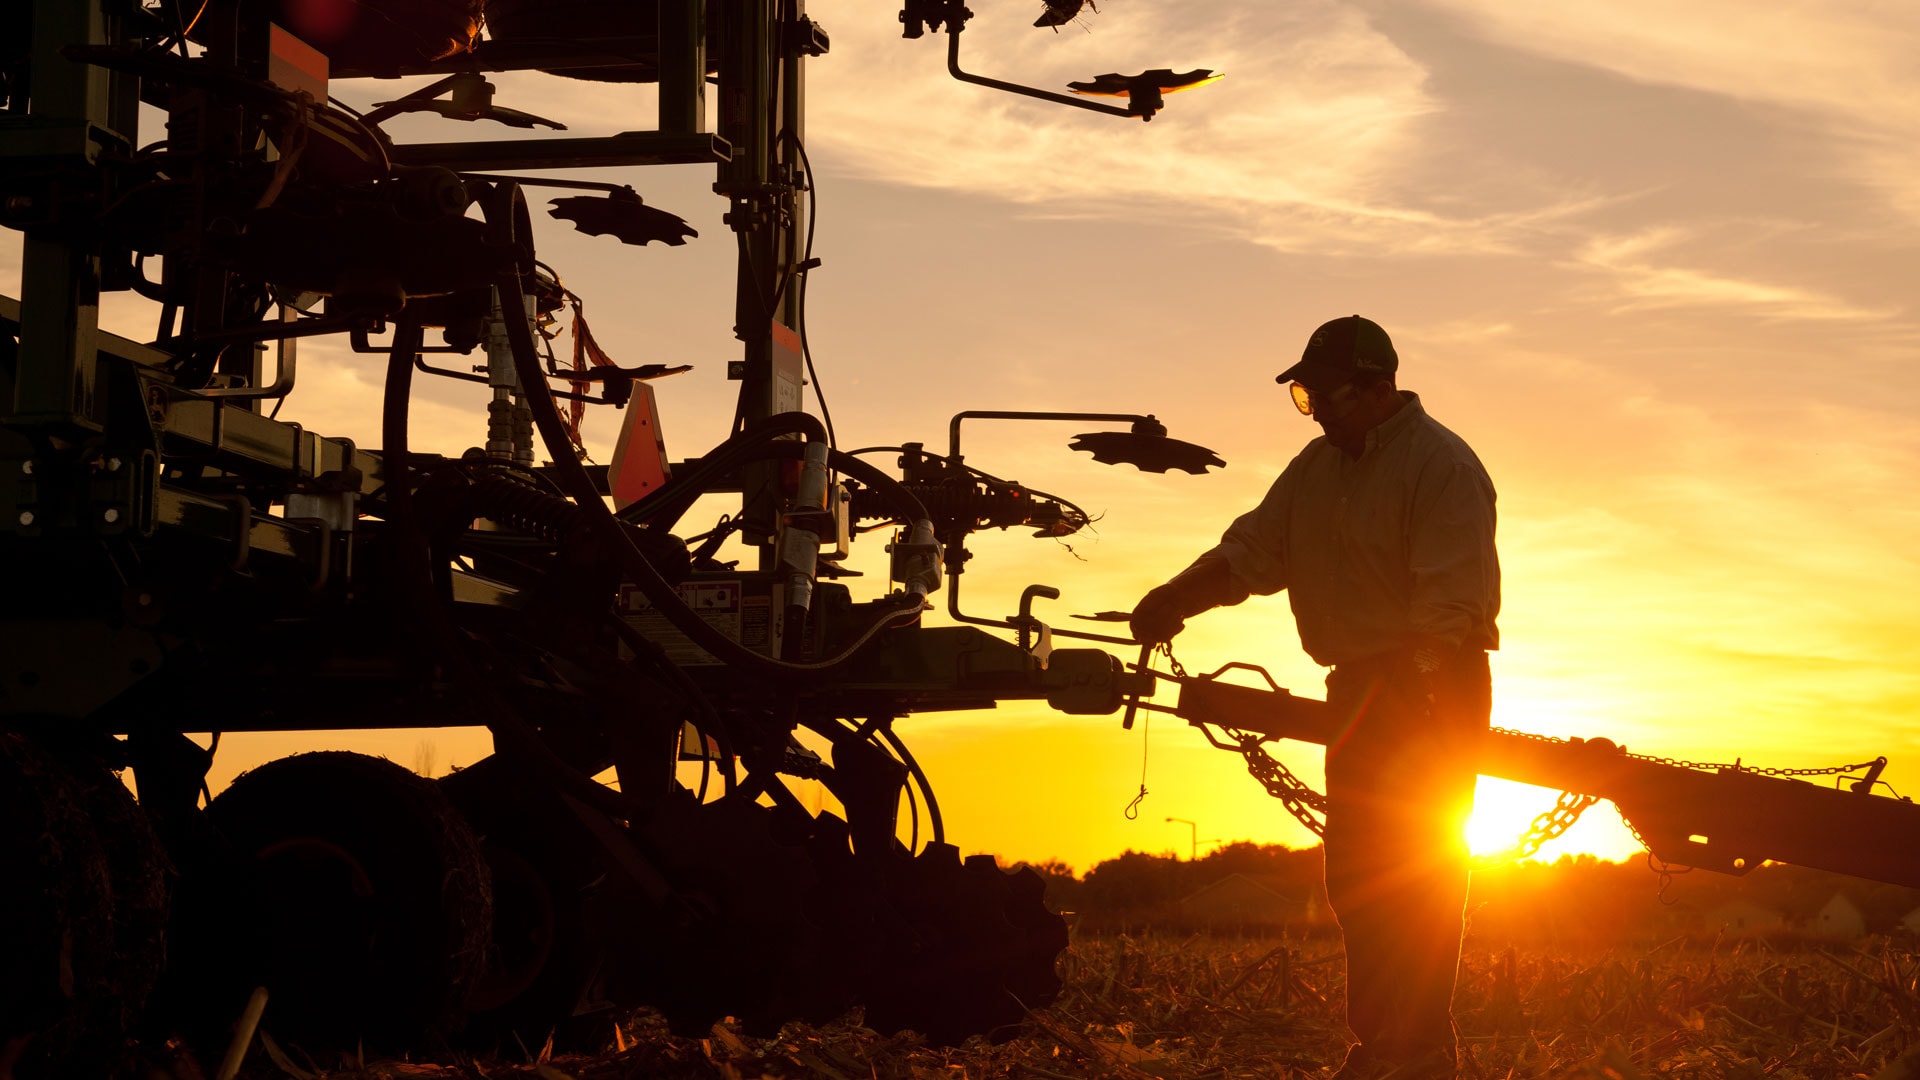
{"points": [[519, 505]]}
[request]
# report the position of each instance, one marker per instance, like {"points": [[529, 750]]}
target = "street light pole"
{"points": [[1193, 837]]}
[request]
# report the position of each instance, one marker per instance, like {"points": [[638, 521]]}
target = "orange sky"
{"points": [[1655, 265]]}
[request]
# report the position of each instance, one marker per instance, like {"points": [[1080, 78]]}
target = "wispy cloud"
{"points": [[1635, 268], [1846, 65], [1302, 147]]}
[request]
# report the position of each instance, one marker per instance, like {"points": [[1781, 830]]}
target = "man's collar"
{"points": [[1390, 428]]}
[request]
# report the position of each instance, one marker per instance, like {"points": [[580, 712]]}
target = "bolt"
{"points": [[26, 468], [26, 517], [113, 464], [144, 599], [110, 515]]}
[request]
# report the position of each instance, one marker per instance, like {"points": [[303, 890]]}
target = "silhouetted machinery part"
{"points": [[971, 940], [177, 559], [771, 916], [561, 914], [376, 36], [628, 28], [371, 900], [969, 505], [83, 907]]}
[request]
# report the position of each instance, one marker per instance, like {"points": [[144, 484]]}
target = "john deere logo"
{"points": [[1319, 339]]}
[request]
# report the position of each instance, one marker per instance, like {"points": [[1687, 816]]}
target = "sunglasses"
{"points": [[1305, 399]]}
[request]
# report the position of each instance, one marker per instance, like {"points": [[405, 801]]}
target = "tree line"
{"points": [[1572, 901]]}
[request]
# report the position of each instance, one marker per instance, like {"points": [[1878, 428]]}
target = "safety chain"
{"points": [[1307, 806], [1165, 649], [1736, 766], [1548, 825], [1710, 766], [1569, 806]]}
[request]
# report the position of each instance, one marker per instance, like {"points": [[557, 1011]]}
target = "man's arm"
{"points": [[1255, 545], [1207, 584], [1251, 557], [1454, 566]]}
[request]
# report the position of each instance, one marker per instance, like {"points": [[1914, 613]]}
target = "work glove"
{"points": [[1164, 612]]}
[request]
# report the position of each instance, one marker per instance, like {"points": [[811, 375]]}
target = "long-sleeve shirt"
{"points": [[1379, 552]]}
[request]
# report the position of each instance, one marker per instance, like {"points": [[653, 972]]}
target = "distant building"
{"points": [[1743, 918], [1240, 900], [1840, 919]]}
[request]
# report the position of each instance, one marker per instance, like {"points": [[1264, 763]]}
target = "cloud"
{"points": [[1301, 147], [1631, 263], [1845, 65]]}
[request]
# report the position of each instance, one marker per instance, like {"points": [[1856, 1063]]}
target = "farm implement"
{"points": [[176, 561], [1722, 817]]}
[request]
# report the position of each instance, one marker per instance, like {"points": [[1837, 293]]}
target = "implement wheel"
{"points": [[977, 952], [56, 919], [741, 941], [372, 895], [540, 963]]}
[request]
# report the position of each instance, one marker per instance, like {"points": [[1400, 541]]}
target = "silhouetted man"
{"points": [[1381, 531]]}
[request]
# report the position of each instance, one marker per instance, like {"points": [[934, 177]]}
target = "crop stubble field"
{"points": [[1200, 1008]]}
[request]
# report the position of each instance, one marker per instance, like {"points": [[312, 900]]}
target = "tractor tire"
{"points": [[141, 877], [541, 963], [56, 921], [373, 900]]}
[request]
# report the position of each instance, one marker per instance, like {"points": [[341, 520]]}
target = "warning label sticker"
{"points": [[719, 605]]}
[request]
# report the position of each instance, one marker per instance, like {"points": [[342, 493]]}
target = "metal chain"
{"points": [[1165, 649], [1735, 765], [1708, 766], [1548, 825], [1569, 806], [1308, 806]]}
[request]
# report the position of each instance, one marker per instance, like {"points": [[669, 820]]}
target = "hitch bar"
{"points": [[1728, 819]]}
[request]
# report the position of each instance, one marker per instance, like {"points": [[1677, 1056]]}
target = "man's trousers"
{"points": [[1400, 780]]}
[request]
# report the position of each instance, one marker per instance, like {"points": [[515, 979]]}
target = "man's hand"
{"points": [[1162, 613], [1159, 615]]}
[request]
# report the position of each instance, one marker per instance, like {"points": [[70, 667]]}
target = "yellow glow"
{"points": [[1501, 814], [1503, 811]]}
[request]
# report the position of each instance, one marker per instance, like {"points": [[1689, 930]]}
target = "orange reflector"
{"points": [[293, 64], [639, 466]]}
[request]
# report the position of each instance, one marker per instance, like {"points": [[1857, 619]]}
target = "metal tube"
{"points": [[953, 68], [953, 426], [683, 66], [243, 1030]]}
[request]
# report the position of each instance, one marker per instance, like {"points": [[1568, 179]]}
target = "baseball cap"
{"points": [[1340, 350]]}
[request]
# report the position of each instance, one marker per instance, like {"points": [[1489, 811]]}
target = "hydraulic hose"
{"points": [[934, 824], [410, 559], [526, 508], [580, 486]]}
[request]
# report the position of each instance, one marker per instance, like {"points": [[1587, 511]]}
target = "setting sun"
{"points": [[1503, 811]]}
